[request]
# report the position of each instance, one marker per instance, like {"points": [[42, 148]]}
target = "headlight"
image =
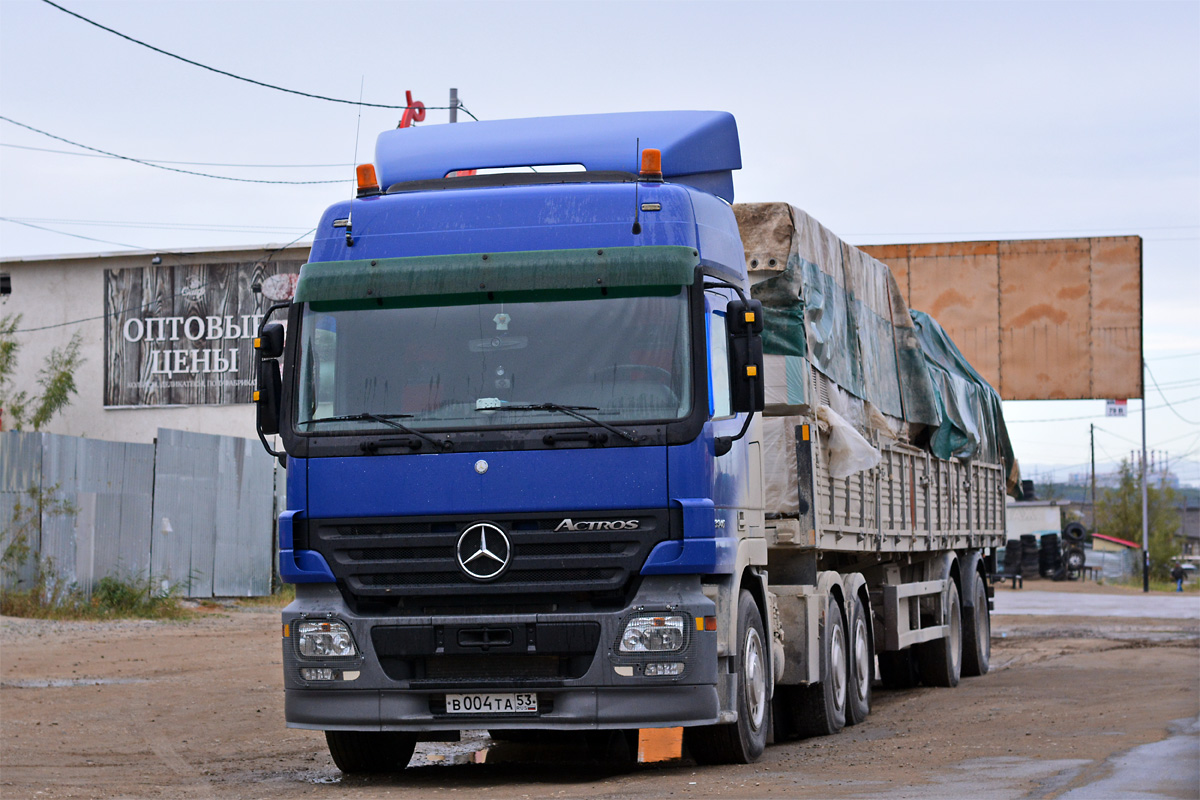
{"points": [[652, 635], [325, 640]]}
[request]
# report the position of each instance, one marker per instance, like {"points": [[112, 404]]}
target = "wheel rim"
{"points": [[862, 658], [837, 665], [755, 679]]}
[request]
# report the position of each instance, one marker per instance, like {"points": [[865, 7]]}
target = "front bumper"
{"points": [[605, 689]]}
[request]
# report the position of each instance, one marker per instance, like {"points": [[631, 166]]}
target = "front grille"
{"points": [[514, 654], [390, 559]]}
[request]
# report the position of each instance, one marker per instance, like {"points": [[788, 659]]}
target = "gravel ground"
{"points": [[1075, 706]]}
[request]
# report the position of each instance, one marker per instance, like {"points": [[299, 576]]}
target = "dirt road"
{"points": [[1073, 707]]}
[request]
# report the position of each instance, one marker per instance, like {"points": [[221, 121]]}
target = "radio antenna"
{"points": [[637, 207], [354, 189]]}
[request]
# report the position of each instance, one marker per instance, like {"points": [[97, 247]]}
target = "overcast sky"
{"points": [[889, 122]]}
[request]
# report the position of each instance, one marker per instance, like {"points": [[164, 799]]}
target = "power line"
{"points": [[1177, 355], [64, 233], [182, 226], [1094, 416], [156, 166], [1164, 397], [239, 77], [270, 255], [183, 163]]}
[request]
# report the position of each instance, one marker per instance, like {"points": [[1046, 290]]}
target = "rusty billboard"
{"points": [[1041, 319]]}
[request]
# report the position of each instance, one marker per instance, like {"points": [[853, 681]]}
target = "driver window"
{"points": [[718, 366]]}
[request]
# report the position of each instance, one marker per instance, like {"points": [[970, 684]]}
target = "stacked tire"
{"points": [[1012, 557], [1073, 556], [1029, 555], [1050, 556]]}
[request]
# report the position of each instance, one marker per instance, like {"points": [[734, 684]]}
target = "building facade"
{"points": [[166, 337]]}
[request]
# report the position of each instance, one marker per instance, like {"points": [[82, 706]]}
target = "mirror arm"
{"points": [[725, 443]]}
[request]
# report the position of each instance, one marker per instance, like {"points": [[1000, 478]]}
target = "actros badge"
{"points": [[483, 552]]}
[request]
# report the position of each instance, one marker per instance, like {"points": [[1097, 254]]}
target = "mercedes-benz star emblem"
{"points": [[483, 551]]}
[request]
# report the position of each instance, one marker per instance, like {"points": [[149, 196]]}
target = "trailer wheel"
{"points": [[821, 708], [370, 751], [940, 662], [977, 633], [741, 742], [862, 664]]}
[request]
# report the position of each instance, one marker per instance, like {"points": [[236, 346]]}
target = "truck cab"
{"points": [[516, 404]]}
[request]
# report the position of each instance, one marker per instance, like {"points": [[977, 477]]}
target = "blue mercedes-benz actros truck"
{"points": [[542, 477]]}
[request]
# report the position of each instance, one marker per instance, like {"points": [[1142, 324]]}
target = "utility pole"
{"points": [[1093, 440], [1145, 495]]}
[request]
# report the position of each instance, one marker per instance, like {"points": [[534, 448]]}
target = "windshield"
{"points": [[616, 359]]}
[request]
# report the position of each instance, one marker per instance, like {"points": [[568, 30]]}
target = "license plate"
{"points": [[492, 703]]}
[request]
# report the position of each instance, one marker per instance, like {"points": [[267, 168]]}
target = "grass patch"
{"points": [[285, 594], [34, 588], [112, 598], [1192, 587]]}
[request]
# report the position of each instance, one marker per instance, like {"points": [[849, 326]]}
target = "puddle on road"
{"points": [[61, 683], [321, 777], [472, 748]]}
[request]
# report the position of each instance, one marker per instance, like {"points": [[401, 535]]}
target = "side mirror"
{"points": [[268, 347], [270, 388], [269, 343], [747, 388]]}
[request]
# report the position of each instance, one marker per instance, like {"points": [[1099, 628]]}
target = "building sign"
{"points": [[1116, 408], [184, 335]]}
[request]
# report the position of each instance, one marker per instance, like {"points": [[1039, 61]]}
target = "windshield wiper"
{"points": [[571, 411], [385, 419]]}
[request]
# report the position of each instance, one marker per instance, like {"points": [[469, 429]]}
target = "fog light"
{"points": [[316, 674], [653, 670], [325, 639], [652, 635]]}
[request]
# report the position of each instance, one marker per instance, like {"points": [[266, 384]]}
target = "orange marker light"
{"points": [[751, 371], [256, 396], [367, 182], [749, 316], [257, 343], [652, 163], [286, 634]]}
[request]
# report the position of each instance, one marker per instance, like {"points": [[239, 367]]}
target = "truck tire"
{"points": [[820, 709], [740, 742], [940, 662], [1074, 532], [977, 633], [1075, 558], [370, 751], [862, 664], [898, 669]]}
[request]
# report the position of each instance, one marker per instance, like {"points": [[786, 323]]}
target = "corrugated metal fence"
{"points": [[194, 511]]}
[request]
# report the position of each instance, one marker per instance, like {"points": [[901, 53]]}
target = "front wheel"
{"points": [[741, 742], [370, 751]]}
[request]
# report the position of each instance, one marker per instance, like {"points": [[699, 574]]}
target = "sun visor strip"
{"points": [[465, 274]]}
